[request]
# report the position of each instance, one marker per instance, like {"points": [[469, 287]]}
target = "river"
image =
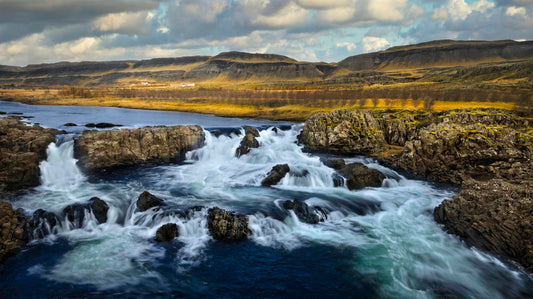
{"points": [[375, 243]]}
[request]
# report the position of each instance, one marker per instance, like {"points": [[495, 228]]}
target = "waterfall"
{"points": [[59, 172], [388, 232]]}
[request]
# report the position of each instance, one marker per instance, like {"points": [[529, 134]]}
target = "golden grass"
{"points": [[287, 113]]}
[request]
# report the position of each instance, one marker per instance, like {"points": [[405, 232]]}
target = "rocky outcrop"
{"points": [[76, 213], [304, 212], [488, 152], [342, 131], [248, 142], [275, 175], [22, 147], [226, 225], [167, 232], [147, 201], [495, 215], [358, 176], [455, 151], [13, 230], [126, 147]]}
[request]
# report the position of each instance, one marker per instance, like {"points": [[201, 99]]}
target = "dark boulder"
{"points": [[76, 213], [334, 163], [275, 175], [303, 211], [226, 225], [13, 232], [101, 125], [147, 201], [248, 142], [358, 176], [43, 222], [70, 125], [494, 215], [167, 232]]}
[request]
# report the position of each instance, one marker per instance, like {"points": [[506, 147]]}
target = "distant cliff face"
{"points": [[239, 66], [440, 53]]}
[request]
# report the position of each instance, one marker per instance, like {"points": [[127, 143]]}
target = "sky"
{"points": [[45, 31]]}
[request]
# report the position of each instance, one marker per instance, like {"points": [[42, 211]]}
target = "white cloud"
{"points": [[291, 15], [124, 22], [337, 15], [513, 11], [459, 9], [482, 5], [373, 43], [387, 10], [321, 4], [349, 46]]}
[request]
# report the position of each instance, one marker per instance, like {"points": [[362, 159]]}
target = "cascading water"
{"points": [[375, 242]]}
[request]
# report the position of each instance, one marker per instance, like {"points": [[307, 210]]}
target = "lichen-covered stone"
{"points": [[22, 147], [126, 147], [13, 230], [226, 225]]}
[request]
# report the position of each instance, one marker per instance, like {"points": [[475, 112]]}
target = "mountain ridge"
{"points": [[242, 66]]}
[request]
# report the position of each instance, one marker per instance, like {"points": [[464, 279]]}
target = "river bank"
{"points": [[378, 241]]}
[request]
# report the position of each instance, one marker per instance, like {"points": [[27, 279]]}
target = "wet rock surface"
{"points": [[275, 175], [488, 152], [227, 225], [358, 176], [248, 142], [75, 213], [101, 125], [303, 211], [494, 215], [127, 147], [147, 201], [22, 147], [43, 222], [13, 232], [167, 232]]}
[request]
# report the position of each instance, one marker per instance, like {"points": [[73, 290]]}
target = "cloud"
{"points": [[347, 45], [124, 22], [513, 11], [373, 43]]}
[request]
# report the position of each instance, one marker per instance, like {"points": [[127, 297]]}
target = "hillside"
{"points": [[394, 65]]}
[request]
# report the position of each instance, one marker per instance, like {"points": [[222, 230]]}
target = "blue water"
{"points": [[375, 243]]}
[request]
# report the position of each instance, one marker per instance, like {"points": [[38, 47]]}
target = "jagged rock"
{"points": [[43, 222], [70, 125], [167, 232], [126, 147], [495, 215], [248, 142], [303, 211], [147, 201], [226, 225], [342, 131], [22, 147], [358, 176], [275, 175], [13, 232], [334, 163], [452, 152], [101, 125], [75, 213]]}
